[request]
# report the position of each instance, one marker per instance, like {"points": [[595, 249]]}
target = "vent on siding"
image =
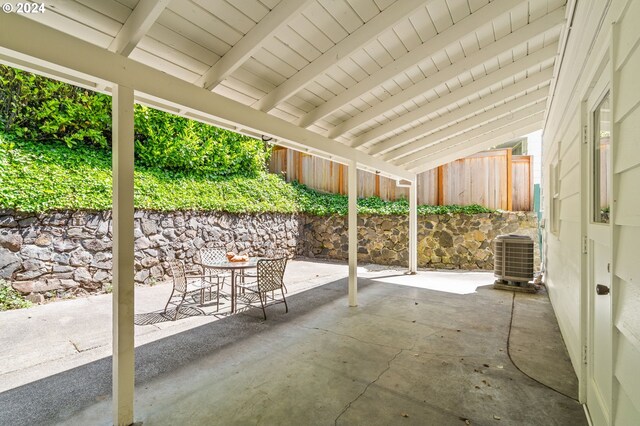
{"points": [[513, 258]]}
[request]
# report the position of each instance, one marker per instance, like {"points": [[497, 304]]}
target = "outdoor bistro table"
{"points": [[233, 267]]}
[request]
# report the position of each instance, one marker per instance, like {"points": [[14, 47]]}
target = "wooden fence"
{"points": [[494, 179]]}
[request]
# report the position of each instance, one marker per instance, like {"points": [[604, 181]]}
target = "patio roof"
{"points": [[392, 87], [400, 87]]}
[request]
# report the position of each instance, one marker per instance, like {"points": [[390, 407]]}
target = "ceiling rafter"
{"points": [[506, 134], [137, 25], [354, 41], [414, 136], [426, 49], [410, 160], [508, 71], [499, 111], [251, 42], [52, 46], [505, 44]]}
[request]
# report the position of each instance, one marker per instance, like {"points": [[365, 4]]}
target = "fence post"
{"points": [[441, 185], [509, 179]]}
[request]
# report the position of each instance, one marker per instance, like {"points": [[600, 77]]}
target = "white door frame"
{"points": [[593, 233]]}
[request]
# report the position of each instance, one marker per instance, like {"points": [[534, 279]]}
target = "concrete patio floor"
{"points": [[430, 349]]}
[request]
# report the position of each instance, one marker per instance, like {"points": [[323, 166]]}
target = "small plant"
{"points": [[107, 288], [10, 298]]}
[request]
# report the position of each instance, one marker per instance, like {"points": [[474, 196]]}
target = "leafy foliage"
{"points": [[42, 110], [175, 143], [39, 109], [322, 204], [10, 298], [36, 177]]}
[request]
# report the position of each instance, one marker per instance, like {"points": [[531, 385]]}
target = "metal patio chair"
{"points": [[271, 254], [184, 285], [269, 279], [211, 256]]}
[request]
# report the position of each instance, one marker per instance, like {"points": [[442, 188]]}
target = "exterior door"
{"points": [[599, 334]]}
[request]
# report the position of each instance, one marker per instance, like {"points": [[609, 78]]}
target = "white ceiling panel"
{"points": [[373, 76]]}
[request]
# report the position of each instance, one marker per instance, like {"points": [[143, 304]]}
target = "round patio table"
{"points": [[233, 267]]}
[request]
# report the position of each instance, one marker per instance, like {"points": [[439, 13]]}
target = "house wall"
{"points": [[591, 43]]}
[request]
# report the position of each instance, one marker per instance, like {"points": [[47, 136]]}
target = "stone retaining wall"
{"points": [[69, 252], [458, 241], [66, 253]]}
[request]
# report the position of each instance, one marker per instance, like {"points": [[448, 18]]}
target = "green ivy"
{"points": [[322, 204], [10, 298], [37, 177]]}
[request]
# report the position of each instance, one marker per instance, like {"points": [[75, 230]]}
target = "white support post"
{"points": [[413, 226], [353, 233], [123, 313]]}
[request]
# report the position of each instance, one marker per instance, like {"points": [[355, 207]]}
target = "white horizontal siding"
{"points": [[626, 215]]}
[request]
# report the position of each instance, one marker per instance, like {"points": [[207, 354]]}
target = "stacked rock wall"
{"points": [[458, 241], [69, 252]]}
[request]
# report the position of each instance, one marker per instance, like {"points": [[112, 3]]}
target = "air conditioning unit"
{"points": [[513, 259]]}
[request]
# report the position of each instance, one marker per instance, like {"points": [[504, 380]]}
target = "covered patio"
{"points": [[391, 88], [433, 348]]}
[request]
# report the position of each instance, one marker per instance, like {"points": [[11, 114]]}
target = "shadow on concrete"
{"points": [[59, 397]]}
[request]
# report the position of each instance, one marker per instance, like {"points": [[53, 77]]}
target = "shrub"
{"points": [[175, 143], [10, 298], [39, 109]]}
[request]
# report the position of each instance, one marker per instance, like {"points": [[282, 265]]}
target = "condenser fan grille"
{"points": [[513, 258]]}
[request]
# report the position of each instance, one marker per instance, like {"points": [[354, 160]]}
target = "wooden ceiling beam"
{"points": [[438, 42], [508, 71], [137, 25], [251, 42], [522, 128], [354, 41], [493, 126], [427, 129]]}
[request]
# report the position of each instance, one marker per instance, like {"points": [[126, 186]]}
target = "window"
{"points": [[600, 157]]}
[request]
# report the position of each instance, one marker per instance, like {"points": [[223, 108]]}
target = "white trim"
{"points": [[354, 41], [75, 55], [137, 25], [425, 50], [251, 42]]}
